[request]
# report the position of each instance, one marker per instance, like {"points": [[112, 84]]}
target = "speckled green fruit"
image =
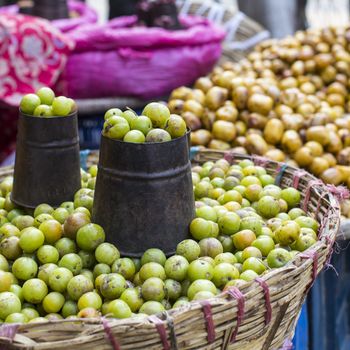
{"points": [[278, 257], [133, 297], [141, 123], [53, 302], [10, 248], [34, 290], [113, 285], [153, 255], [175, 126], [59, 278], [45, 272], [90, 299], [176, 268], [158, 135], [72, 262], [151, 308], [229, 223], [200, 269], [134, 136], [210, 247], [46, 95], [291, 196], [158, 113], [152, 269], [268, 207], [125, 267], [61, 106], [43, 111], [69, 308], [24, 268], [31, 239], [199, 286], [47, 254], [189, 249], [116, 127], [29, 103], [153, 289], [90, 236], [113, 112], [79, 285]]}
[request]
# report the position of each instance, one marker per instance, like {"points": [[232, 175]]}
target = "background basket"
{"points": [[243, 33], [261, 314]]}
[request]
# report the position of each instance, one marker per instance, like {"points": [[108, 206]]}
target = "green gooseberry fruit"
{"points": [[46, 95]]}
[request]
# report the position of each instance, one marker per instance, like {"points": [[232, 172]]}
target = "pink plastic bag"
{"points": [[121, 59]]}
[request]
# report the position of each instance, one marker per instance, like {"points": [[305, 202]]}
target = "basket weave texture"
{"points": [[243, 33], [256, 315]]}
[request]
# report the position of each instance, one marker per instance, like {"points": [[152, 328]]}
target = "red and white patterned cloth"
{"points": [[32, 54]]}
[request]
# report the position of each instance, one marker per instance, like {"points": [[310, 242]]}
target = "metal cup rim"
{"points": [[48, 118], [148, 143]]}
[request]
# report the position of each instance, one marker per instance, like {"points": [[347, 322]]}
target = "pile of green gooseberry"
{"points": [[45, 104], [55, 263], [156, 124]]}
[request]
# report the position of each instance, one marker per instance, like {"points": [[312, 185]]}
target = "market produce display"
{"points": [[44, 103], [156, 124], [156, 245], [55, 263], [287, 101]]}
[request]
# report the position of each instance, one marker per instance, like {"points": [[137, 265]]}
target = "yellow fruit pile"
{"points": [[287, 101]]}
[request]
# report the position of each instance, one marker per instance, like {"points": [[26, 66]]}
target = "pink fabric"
{"points": [[84, 15], [121, 59], [311, 184], [260, 161], [266, 290], [297, 176], [109, 334], [235, 293], [340, 192], [311, 254], [161, 331], [8, 131], [8, 331], [32, 54], [229, 156], [287, 345], [124, 32], [209, 322]]}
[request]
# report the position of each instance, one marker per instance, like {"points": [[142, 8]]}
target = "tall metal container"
{"points": [[47, 165], [144, 194]]}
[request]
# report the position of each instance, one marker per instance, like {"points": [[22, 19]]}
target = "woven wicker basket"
{"points": [[261, 314], [243, 33]]}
